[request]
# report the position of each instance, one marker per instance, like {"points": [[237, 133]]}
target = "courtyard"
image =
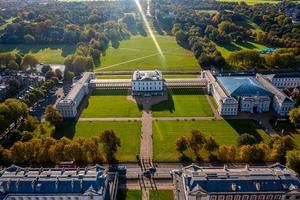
{"points": [[110, 103], [183, 103], [225, 132], [128, 132]]}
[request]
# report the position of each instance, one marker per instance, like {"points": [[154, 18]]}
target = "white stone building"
{"points": [[284, 80], [68, 105], [147, 83], [246, 94], [275, 182], [88, 183]]}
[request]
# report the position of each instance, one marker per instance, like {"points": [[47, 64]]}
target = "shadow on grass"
{"points": [[24, 48], [247, 45], [67, 129], [112, 92], [169, 104], [242, 126], [230, 47]]}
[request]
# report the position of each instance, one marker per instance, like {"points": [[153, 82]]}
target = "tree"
{"points": [[50, 74], [227, 153], [110, 143], [45, 69], [53, 116], [29, 61], [210, 144], [281, 146], [294, 116], [182, 144], [246, 139], [196, 141], [293, 160]]}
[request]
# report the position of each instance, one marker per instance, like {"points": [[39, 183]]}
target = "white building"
{"points": [[69, 104], [275, 182], [88, 183], [147, 83], [284, 80], [246, 94]]}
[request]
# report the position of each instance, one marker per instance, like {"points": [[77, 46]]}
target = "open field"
{"points": [[161, 195], [128, 132], [227, 49], [110, 103], [140, 53], [183, 103], [48, 54], [130, 76], [226, 132], [129, 195]]}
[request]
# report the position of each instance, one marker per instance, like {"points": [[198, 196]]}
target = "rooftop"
{"points": [[150, 75], [242, 86], [17, 180], [275, 178]]}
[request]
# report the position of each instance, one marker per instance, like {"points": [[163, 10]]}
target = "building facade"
{"points": [[284, 80], [68, 105], [18, 183], [147, 83], [275, 182], [234, 94]]}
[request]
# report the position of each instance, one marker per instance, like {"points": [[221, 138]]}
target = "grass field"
{"points": [[129, 195], [128, 132], [140, 53], [110, 103], [48, 54], [227, 49], [165, 134], [184, 103], [130, 76], [161, 195]]}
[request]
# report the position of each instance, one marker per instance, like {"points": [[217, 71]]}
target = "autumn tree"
{"points": [[53, 116], [293, 160], [110, 143], [29, 61], [227, 153], [182, 144], [196, 141]]}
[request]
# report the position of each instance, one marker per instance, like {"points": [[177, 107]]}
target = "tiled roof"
{"points": [[242, 86], [276, 179], [16, 180]]}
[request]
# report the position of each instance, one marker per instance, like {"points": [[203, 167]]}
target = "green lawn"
{"points": [[184, 103], [49, 54], [140, 53], [227, 49], [128, 132], [129, 195], [110, 103], [130, 76], [161, 195], [165, 134]]}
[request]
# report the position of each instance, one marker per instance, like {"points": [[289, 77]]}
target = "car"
{"points": [[121, 169], [147, 174]]}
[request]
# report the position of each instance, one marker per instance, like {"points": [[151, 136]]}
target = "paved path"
{"points": [[146, 136]]}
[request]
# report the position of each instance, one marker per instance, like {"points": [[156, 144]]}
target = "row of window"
{"points": [[246, 197], [147, 83], [147, 88]]}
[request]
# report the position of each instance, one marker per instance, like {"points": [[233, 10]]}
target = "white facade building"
{"points": [[147, 83], [275, 182], [284, 80], [246, 94], [88, 183], [68, 105]]}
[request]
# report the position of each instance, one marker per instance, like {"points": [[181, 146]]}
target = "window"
{"points": [[221, 197], [213, 197], [229, 197], [277, 197], [261, 197], [269, 197], [245, 197], [253, 197], [237, 197]]}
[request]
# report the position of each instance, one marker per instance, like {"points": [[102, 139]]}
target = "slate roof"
{"points": [[275, 179], [242, 86], [147, 75], [16, 180]]}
